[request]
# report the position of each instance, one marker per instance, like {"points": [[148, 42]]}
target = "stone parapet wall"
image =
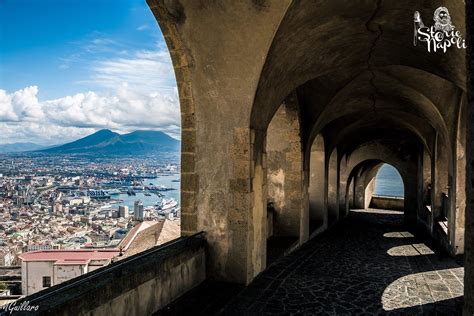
{"points": [[139, 285], [469, 228], [387, 203]]}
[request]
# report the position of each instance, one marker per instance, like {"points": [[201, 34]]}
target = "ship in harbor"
{"points": [[98, 194], [166, 206], [160, 188]]}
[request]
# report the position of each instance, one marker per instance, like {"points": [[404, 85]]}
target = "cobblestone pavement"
{"points": [[367, 264]]}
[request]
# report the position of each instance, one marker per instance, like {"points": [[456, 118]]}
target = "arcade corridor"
{"points": [[366, 264]]}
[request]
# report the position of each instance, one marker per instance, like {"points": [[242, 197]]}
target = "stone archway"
{"points": [[237, 83]]}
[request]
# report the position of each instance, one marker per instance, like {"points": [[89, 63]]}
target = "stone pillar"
{"points": [[359, 191], [223, 173], [369, 192], [457, 217], [424, 217], [441, 171], [285, 171], [342, 186], [350, 195], [333, 187], [469, 234], [317, 184], [410, 181]]}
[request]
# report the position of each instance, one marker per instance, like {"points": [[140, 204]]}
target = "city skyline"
{"points": [[105, 68]]}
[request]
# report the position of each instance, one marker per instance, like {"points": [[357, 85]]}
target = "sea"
{"points": [[388, 182], [152, 199]]}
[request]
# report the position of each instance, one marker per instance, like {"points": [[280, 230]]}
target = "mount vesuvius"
{"points": [[107, 142]]}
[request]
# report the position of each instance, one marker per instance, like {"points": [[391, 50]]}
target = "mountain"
{"points": [[19, 147], [106, 142]]}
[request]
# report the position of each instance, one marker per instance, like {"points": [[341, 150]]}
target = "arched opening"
{"points": [[386, 189], [106, 185], [388, 182]]}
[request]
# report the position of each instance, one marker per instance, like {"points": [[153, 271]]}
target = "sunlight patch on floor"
{"points": [[377, 211], [398, 235], [423, 288], [410, 250]]}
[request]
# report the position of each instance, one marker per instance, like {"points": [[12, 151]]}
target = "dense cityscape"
{"points": [[73, 202]]}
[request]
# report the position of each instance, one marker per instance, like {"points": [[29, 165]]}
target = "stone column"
{"points": [[457, 217], [317, 184], [333, 187], [441, 172], [223, 167], [425, 217], [285, 171], [350, 195], [469, 234], [342, 186], [359, 191]]}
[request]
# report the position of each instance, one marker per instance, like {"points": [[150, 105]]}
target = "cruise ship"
{"points": [[166, 206], [99, 194]]}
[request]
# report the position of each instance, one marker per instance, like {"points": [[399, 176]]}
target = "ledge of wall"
{"points": [[138, 285], [387, 203]]}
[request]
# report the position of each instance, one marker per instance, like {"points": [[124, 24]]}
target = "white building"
{"points": [[35, 247], [43, 269]]}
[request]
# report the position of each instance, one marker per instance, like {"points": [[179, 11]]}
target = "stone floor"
{"points": [[367, 264]]}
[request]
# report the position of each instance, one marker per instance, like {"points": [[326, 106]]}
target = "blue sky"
{"points": [[70, 67]]}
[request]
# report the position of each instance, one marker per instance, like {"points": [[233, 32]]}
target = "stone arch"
{"points": [[287, 46], [314, 22], [167, 17], [362, 163]]}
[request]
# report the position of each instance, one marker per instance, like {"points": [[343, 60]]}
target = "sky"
{"points": [[71, 67]]}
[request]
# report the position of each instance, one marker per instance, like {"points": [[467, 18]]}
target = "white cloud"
{"points": [[24, 118], [146, 71], [133, 89], [143, 27]]}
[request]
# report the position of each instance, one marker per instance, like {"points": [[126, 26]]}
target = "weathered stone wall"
{"points": [[138, 285], [222, 184], [469, 237], [285, 170]]}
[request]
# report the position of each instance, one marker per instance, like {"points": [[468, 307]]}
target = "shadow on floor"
{"points": [[277, 247], [368, 264], [206, 299]]}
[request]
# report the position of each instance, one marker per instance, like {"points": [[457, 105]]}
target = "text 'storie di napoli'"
{"points": [[440, 40]]}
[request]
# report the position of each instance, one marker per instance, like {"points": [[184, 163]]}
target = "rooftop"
{"points": [[78, 256]]}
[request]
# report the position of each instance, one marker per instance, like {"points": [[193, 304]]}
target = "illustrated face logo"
{"points": [[441, 35], [442, 20]]}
